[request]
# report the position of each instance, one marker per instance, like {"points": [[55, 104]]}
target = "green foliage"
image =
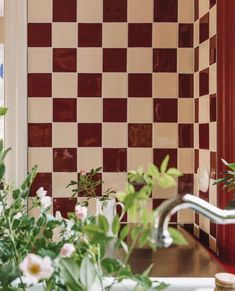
{"points": [[178, 238]]}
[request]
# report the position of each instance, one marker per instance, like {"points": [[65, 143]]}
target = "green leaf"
{"points": [[231, 166], [69, 272], [2, 171], [164, 164], [116, 225], [103, 223], [153, 171], [174, 172], [111, 265], [124, 232], [121, 196], [166, 181], [87, 272], [3, 111], [178, 238]]}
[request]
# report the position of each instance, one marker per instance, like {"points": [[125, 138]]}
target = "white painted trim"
{"points": [[16, 89]]}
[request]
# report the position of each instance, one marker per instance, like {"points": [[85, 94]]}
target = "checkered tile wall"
{"points": [[111, 84], [205, 110]]}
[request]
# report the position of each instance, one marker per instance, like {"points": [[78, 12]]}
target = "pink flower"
{"points": [[67, 250], [82, 173], [81, 212], [35, 268]]}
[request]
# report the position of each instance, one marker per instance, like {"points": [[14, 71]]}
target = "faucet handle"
{"points": [[162, 239]]}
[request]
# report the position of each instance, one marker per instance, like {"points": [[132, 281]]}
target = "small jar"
{"points": [[225, 282]]}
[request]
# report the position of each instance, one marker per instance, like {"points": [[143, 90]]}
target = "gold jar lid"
{"points": [[225, 280]]}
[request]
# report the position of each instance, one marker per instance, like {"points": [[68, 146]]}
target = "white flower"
{"points": [[18, 215], [35, 268], [41, 192], [45, 202], [81, 212], [67, 250]]}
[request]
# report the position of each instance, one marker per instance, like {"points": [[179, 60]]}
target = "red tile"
{"points": [[42, 180], [140, 85], [64, 11], [89, 135], [204, 195], [186, 85], [165, 60], [65, 160], [90, 35], [98, 189], [115, 10], [204, 82], [165, 10], [213, 108], [185, 35], [213, 50], [212, 3], [185, 184], [196, 109], [64, 205], [39, 85], [196, 160], [64, 110], [140, 135], [186, 135], [204, 136], [160, 154], [165, 110], [204, 238], [114, 60], [213, 227], [140, 35], [213, 165], [39, 34], [89, 85], [196, 59], [196, 218], [196, 10], [114, 110], [114, 160], [64, 60], [204, 28], [39, 134], [157, 203]]}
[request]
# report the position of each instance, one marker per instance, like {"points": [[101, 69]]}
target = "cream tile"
{"points": [[204, 6], [165, 135], [213, 194], [39, 60], [91, 206], [161, 88], [196, 230], [138, 157], [213, 244], [186, 160], [185, 110], [204, 109], [196, 33], [64, 135], [196, 85], [90, 110], [115, 35], [39, 110], [114, 135], [185, 11], [161, 193], [140, 110], [139, 60], [42, 157], [213, 136], [196, 136], [90, 11], [89, 60], [114, 85], [40, 11], [116, 181], [140, 11], [35, 212], [64, 85], [185, 60], [213, 21], [204, 58], [89, 158], [212, 79], [185, 216], [60, 182], [64, 35], [161, 30], [204, 223], [204, 158]]}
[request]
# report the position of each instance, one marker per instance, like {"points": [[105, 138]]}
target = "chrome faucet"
{"points": [[169, 207]]}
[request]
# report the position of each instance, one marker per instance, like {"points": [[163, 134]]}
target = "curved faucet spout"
{"points": [[171, 206]]}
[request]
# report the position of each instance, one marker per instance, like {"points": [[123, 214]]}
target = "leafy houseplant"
{"points": [[77, 261], [228, 181]]}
